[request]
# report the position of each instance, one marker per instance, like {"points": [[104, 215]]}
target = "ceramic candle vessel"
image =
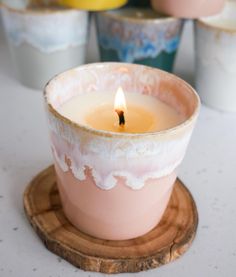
{"points": [[188, 8], [215, 40], [117, 185], [138, 35], [44, 42]]}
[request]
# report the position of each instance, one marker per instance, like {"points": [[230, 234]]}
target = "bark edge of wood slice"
{"points": [[165, 243]]}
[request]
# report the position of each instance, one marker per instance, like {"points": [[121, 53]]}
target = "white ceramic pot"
{"points": [[215, 43], [44, 42]]}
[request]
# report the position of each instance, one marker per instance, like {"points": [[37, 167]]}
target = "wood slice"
{"points": [[165, 243]]}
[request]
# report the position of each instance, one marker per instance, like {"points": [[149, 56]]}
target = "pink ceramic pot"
{"points": [[188, 8], [117, 185]]}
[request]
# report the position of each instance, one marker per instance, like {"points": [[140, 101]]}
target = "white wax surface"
{"points": [[78, 108]]}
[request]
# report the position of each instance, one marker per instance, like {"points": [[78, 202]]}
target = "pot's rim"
{"points": [[44, 11], [204, 23], [114, 14], [103, 133]]}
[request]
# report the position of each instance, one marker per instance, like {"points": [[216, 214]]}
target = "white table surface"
{"points": [[209, 171]]}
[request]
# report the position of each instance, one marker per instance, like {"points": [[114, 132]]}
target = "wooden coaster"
{"points": [[165, 243]]}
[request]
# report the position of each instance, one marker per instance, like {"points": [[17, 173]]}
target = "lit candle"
{"points": [[107, 179], [130, 113]]}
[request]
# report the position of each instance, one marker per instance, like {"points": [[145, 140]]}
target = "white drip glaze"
{"points": [[47, 32], [157, 155]]}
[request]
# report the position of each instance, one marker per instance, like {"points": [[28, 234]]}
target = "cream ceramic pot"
{"points": [[188, 8], [215, 41], [44, 42], [117, 185]]}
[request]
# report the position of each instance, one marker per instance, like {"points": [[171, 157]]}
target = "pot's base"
{"points": [[165, 243]]}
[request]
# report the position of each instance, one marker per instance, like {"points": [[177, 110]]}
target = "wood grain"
{"points": [[165, 243]]}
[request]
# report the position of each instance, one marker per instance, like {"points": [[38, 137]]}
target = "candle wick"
{"points": [[121, 117]]}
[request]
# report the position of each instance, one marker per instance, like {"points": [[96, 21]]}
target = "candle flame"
{"points": [[120, 102]]}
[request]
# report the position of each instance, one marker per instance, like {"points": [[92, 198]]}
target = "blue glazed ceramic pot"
{"points": [[138, 35]]}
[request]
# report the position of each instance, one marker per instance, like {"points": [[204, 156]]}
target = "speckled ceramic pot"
{"points": [[44, 42], [188, 8], [117, 185], [137, 35], [215, 41]]}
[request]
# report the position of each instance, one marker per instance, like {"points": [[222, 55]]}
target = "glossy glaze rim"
{"points": [[103, 133], [116, 16]]}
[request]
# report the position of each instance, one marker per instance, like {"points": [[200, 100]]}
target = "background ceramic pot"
{"points": [[136, 35], [139, 3], [44, 42], [117, 185], [215, 41], [188, 8], [98, 5]]}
